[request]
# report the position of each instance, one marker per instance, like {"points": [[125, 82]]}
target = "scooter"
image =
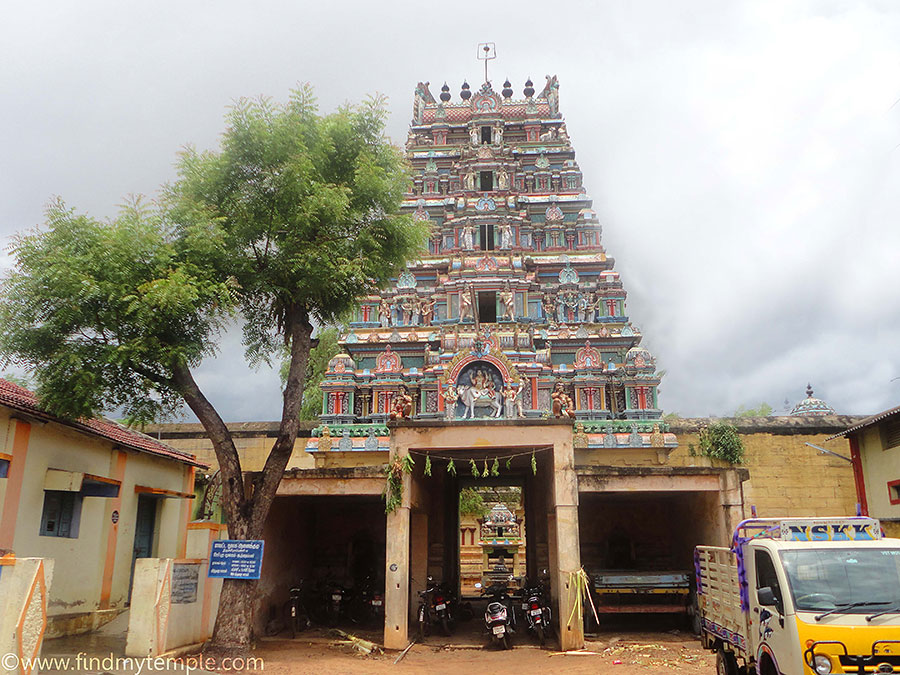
{"points": [[498, 616]]}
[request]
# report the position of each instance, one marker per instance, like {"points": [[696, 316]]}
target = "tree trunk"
{"points": [[246, 513], [233, 632]]}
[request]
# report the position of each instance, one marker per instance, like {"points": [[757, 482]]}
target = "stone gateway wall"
{"points": [[787, 477]]}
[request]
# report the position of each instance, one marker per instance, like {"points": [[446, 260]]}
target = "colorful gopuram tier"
{"points": [[515, 310]]}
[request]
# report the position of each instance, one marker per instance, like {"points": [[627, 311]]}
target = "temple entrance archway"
{"points": [[425, 529]]}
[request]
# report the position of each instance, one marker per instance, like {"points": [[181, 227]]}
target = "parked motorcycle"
{"points": [[536, 611], [434, 609], [296, 616], [327, 603], [366, 604], [498, 616]]}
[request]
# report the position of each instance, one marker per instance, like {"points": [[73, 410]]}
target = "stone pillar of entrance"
{"points": [[396, 575], [731, 492], [564, 539], [418, 564]]}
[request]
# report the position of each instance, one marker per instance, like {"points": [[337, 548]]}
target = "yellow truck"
{"points": [[801, 596]]}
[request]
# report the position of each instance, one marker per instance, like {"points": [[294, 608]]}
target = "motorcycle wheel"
{"points": [[539, 629], [445, 624], [505, 641]]}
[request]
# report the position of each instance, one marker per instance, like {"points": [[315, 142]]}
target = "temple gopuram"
{"points": [[515, 310]]}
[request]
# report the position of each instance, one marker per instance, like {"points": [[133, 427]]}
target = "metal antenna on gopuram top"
{"points": [[487, 51]]}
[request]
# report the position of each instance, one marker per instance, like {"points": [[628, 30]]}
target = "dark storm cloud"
{"points": [[743, 156]]}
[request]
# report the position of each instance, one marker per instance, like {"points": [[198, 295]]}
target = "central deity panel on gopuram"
{"points": [[514, 310]]}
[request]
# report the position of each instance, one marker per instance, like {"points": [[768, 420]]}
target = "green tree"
{"points": [[471, 503], [289, 222], [762, 410], [326, 349]]}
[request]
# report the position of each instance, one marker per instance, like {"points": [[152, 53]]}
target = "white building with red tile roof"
{"points": [[92, 495]]}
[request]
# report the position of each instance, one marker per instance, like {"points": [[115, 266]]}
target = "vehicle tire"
{"points": [[505, 641], [726, 664], [445, 624], [766, 667]]}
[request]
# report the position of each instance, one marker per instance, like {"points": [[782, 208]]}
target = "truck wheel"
{"points": [[726, 664]]}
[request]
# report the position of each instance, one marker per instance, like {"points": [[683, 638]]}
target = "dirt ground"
{"points": [[606, 654]]}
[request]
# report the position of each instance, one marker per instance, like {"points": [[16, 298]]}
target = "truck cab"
{"points": [[802, 596]]}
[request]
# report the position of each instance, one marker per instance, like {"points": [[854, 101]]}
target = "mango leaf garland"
{"points": [[451, 467], [495, 467], [427, 465], [533, 464], [474, 467], [408, 464]]}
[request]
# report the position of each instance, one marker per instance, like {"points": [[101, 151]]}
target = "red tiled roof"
{"points": [[21, 399]]}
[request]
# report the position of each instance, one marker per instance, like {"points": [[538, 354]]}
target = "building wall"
{"points": [[787, 477], [253, 441], [101, 552]]}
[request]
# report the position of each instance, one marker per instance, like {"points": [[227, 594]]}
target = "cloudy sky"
{"points": [[744, 157]]}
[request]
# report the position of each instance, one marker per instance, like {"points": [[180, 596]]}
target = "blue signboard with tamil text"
{"points": [[236, 559]]}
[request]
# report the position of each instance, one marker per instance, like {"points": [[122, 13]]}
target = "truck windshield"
{"points": [[845, 580]]}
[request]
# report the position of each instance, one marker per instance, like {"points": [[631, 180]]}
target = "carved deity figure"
{"points": [[473, 135], [481, 387], [325, 439], [422, 98], [384, 312], [402, 404], [512, 399], [502, 179], [465, 304], [409, 310], [468, 237], [506, 236], [561, 307], [508, 298], [450, 396], [549, 307], [428, 311], [551, 93], [469, 180], [594, 301], [581, 304], [561, 402], [498, 135]]}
